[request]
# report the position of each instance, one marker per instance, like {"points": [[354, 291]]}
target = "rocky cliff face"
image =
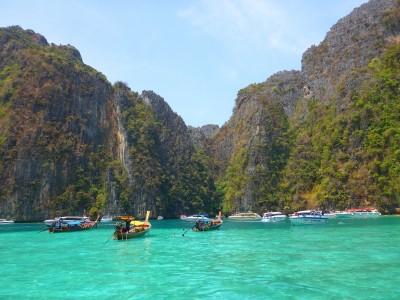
{"points": [[70, 142], [201, 135], [55, 124], [350, 44], [257, 140]]}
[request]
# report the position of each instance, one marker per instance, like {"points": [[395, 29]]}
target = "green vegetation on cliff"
{"points": [[350, 157]]}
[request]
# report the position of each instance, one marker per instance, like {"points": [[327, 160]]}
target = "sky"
{"points": [[196, 54]]}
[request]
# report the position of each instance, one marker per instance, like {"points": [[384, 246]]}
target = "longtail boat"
{"points": [[128, 228], [208, 225], [62, 225]]}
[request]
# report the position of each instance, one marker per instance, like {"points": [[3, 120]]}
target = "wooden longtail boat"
{"points": [[67, 226], [128, 228], [208, 225]]}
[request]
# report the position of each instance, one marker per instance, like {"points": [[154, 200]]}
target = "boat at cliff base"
{"points": [[208, 225], [5, 221], [106, 219], [273, 217], [308, 217], [247, 216], [364, 212], [195, 218], [128, 227], [66, 219], [358, 213], [69, 224]]}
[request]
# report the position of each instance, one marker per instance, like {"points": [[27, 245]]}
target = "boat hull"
{"points": [[195, 219], [106, 220], [308, 220], [274, 219], [362, 215], [207, 228], [6, 222], [234, 218], [82, 227], [130, 234]]}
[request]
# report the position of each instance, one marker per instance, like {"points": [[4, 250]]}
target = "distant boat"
{"points": [[128, 228], [330, 215], [364, 212], [249, 216], [106, 219], [159, 218], [358, 213], [194, 218], [307, 217], [343, 214], [67, 225], [5, 221], [273, 217], [50, 222], [208, 225]]}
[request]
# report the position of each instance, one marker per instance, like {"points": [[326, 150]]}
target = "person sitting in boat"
{"points": [[200, 225], [127, 226]]}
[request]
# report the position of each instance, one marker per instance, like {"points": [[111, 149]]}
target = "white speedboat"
{"points": [[5, 221], [159, 218], [274, 216], [343, 214], [106, 219], [330, 215], [365, 213], [66, 219], [194, 218], [249, 216], [306, 217]]}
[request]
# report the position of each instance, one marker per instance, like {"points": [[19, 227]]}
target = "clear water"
{"points": [[352, 259]]}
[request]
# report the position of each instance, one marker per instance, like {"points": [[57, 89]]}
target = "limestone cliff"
{"points": [[71, 142], [252, 149]]}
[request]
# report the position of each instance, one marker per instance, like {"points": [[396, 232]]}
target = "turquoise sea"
{"points": [[352, 259]]}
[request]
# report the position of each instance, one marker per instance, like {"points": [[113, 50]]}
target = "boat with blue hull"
{"points": [[308, 217], [67, 225]]}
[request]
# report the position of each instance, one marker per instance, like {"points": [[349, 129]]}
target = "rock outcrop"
{"points": [[201, 135]]}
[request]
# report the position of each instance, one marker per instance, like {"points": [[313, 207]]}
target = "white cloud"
{"points": [[249, 23]]}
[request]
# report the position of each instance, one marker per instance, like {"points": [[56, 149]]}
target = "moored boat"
{"points": [[208, 225], [128, 228], [273, 217], [159, 218], [5, 221], [106, 219], [306, 217], [330, 215], [364, 212], [68, 225], [343, 214], [50, 222], [195, 218], [249, 216]]}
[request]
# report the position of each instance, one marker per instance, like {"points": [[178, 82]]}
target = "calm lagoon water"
{"points": [[355, 259]]}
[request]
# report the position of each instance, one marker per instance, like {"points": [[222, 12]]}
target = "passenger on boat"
{"points": [[127, 227]]}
